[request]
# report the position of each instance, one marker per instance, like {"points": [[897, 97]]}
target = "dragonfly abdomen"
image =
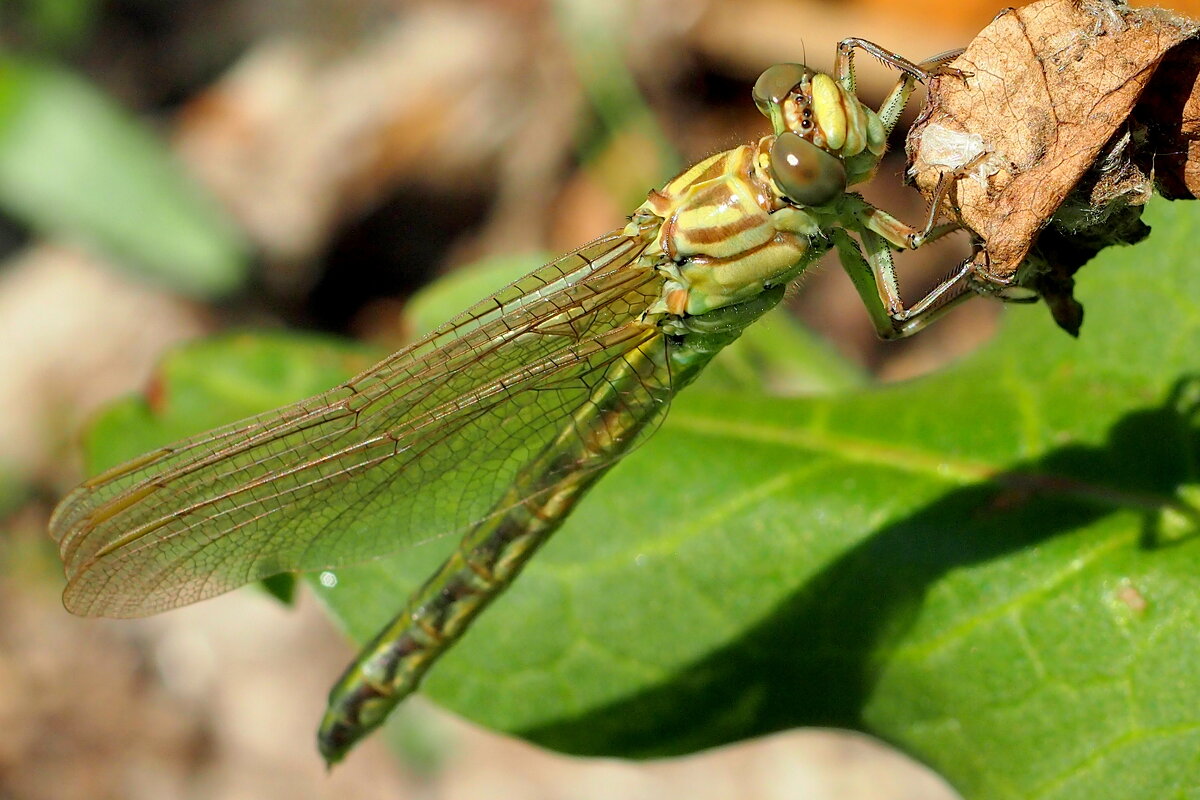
{"points": [[624, 403]]}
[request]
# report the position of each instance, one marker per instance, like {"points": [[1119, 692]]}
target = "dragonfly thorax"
{"points": [[727, 231]]}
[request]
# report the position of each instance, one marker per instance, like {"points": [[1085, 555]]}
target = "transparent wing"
{"points": [[422, 444]]}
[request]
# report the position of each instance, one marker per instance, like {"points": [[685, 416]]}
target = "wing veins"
{"points": [[498, 388]]}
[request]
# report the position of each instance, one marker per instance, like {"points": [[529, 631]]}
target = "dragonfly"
{"points": [[496, 424]]}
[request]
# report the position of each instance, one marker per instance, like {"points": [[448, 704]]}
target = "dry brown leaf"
{"points": [[1054, 140], [1170, 110]]}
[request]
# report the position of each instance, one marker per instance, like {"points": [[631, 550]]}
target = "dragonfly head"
{"points": [[800, 162], [827, 138]]}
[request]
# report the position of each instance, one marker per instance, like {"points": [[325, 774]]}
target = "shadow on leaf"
{"points": [[817, 659]]}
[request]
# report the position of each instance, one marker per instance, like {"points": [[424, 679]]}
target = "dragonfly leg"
{"points": [[892, 229], [897, 233], [844, 64], [874, 276], [893, 105]]}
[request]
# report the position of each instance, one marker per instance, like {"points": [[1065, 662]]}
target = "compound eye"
{"points": [[776, 82], [805, 173]]}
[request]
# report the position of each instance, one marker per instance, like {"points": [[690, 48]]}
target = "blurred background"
{"points": [[170, 170]]}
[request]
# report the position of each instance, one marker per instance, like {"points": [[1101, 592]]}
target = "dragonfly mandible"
{"points": [[497, 423]]}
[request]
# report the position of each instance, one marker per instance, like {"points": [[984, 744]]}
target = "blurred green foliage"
{"points": [[54, 25], [75, 166], [596, 34], [12, 491]]}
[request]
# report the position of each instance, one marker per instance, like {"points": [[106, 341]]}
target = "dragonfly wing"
{"points": [[422, 444]]}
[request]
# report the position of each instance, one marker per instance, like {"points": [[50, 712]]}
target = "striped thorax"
{"points": [[726, 231], [753, 217]]}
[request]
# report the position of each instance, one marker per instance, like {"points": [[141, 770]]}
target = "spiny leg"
{"points": [[893, 105], [948, 293], [874, 276], [889, 114], [844, 65], [900, 235]]}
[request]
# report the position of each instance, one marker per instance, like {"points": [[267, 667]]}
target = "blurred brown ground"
{"points": [[334, 135]]}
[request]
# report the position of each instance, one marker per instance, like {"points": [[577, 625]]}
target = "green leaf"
{"points": [[74, 165], [995, 568], [965, 565]]}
